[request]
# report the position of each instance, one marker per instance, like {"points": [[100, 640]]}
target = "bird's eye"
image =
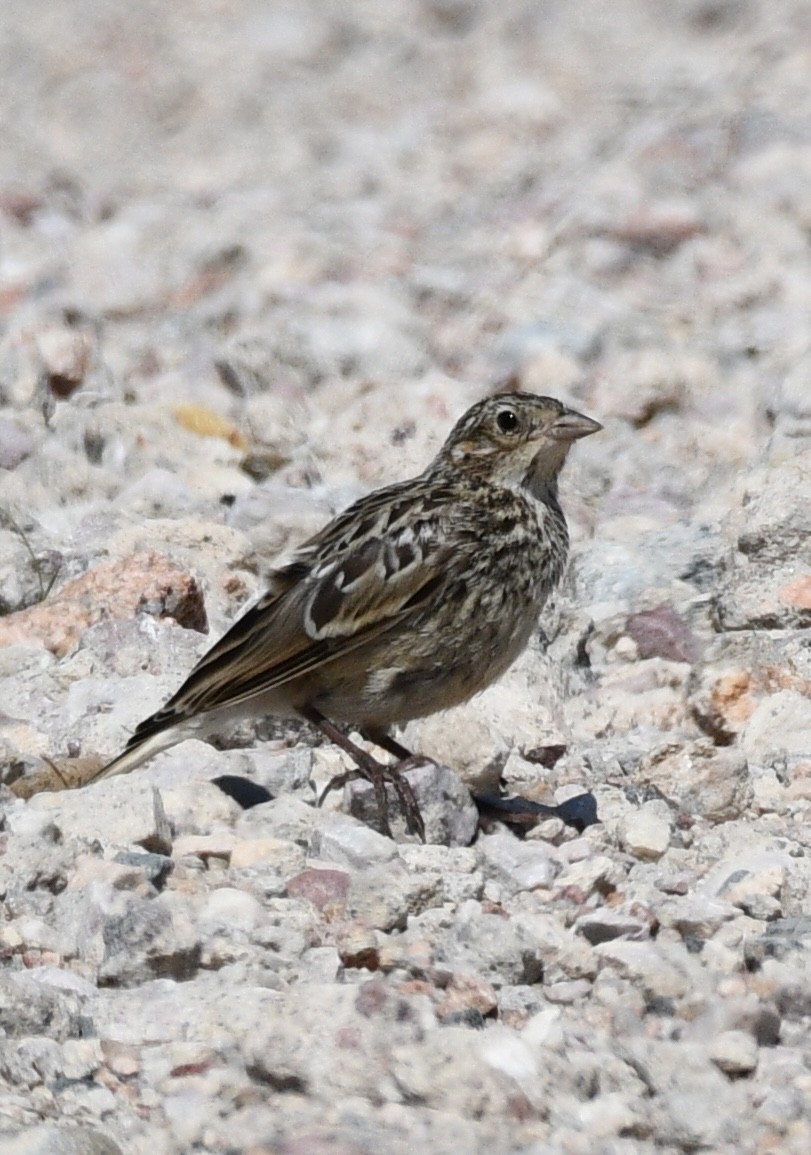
{"points": [[507, 420]]}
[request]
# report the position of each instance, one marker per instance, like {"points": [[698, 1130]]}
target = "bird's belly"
{"points": [[390, 684]]}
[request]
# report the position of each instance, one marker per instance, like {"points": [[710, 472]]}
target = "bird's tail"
{"points": [[142, 745]]}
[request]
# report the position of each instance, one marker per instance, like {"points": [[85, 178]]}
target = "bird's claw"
{"points": [[379, 777]]}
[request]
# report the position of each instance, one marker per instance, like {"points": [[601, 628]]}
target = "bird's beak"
{"points": [[571, 426]]}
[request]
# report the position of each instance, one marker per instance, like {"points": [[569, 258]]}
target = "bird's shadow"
{"points": [[522, 814], [518, 813]]}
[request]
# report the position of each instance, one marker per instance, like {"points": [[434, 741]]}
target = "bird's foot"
{"points": [[377, 773], [380, 776]]}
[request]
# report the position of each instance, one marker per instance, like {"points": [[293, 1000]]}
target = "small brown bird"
{"points": [[410, 601]]}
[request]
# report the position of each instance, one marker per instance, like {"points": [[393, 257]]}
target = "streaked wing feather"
{"points": [[342, 588]]}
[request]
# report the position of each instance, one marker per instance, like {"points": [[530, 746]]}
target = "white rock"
{"points": [[646, 963], [200, 807], [505, 1051], [780, 724], [232, 907], [645, 832], [735, 1052], [81, 1057], [263, 854], [516, 865], [117, 812], [544, 1029], [749, 878], [588, 874], [352, 844], [29, 821]]}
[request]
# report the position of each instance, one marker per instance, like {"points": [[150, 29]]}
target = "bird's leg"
{"points": [[373, 771], [385, 741], [406, 760]]}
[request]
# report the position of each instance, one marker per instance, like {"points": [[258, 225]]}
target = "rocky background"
{"points": [[255, 258]]}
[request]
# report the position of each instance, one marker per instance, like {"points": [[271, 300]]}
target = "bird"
{"points": [[410, 601]]}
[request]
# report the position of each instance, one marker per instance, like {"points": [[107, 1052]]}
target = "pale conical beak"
{"points": [[571, 426]]}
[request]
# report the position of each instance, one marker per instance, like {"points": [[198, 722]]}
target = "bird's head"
{"points": [[515, 439]]}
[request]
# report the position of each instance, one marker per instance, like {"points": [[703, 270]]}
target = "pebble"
{"points": [[354, 845], [605, 925], [734, 1052], [597, 872], [15, 444], [567, 991], [646, 963], [751, 882], [147, 583], [517, 866], [449, 814], [125, 811], [232, 908], [645, 833], [59, 1139], [701, 779], [276, 854]]}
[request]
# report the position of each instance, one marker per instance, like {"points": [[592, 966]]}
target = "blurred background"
{"points": [[286, 243], [605, 199]]}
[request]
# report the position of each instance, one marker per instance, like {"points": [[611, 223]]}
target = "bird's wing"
{"points": [[357, 578]]}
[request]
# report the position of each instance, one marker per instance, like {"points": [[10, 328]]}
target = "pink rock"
{"points": [[142, 583]]}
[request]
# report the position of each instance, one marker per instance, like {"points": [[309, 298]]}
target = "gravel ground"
{"points": [[255, 259]]}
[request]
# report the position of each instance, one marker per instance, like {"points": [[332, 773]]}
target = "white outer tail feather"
{"points": [[135, 755]]}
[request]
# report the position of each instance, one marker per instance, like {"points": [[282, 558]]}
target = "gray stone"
{"points": [[501, 950], [678, 1074], [701, 779], [29, 1007], [59, 1139], [27, 570], [122, 811], [16, 444], [457, 866], [775, 526], [517, 865], [448, 811], [605, 925], [764, 597], [287, 818], [753, 882], [595, 872], [696, 915], [780, 725], [661, 974], [32, 1061], [352, 844], [385, 895], [147, 938], [280, 773]]}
